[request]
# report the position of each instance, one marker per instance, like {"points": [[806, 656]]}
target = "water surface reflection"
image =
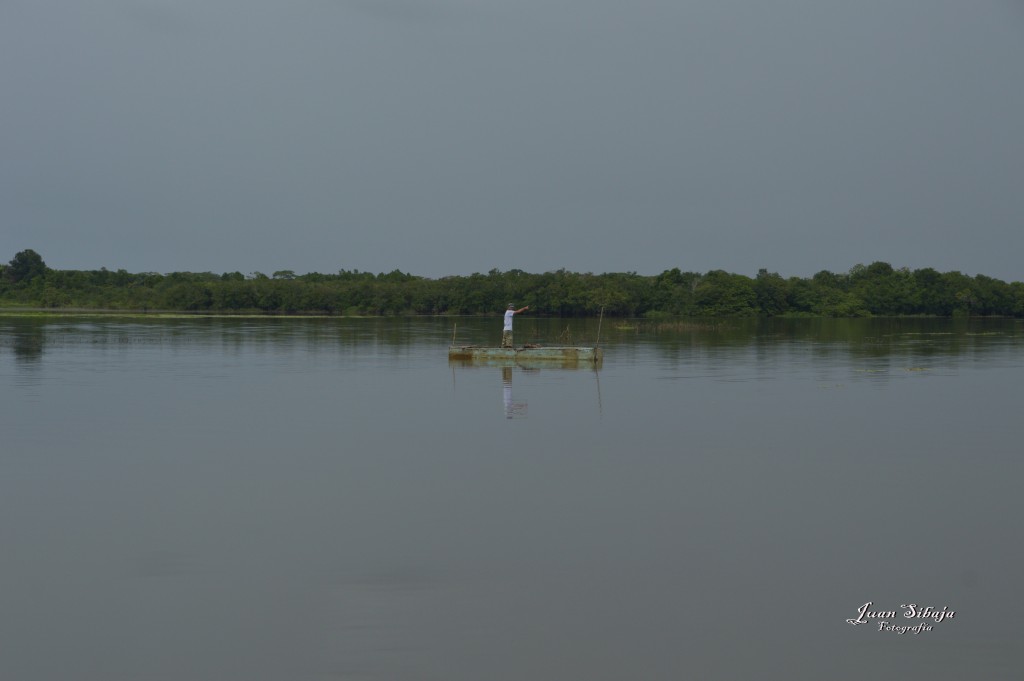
{"points": [[263, 498]]}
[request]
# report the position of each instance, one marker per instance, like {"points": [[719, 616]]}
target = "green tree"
{"points": [[25, 266], [771, 291], [884, 290], [935, 296], [722, 293]]}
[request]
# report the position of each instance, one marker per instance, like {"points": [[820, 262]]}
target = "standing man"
{"points": [[506, 334]]}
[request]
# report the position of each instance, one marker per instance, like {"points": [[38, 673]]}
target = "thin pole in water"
{"points": [[455, 327], [599, 320]]}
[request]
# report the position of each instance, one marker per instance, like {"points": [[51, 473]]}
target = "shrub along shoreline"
{"points": [[877, 289]]}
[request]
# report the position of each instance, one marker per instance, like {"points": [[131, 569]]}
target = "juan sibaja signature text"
{"points": [[884, 618]]}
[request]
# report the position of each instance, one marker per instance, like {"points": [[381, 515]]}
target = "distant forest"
{"points": [[877, 289]]}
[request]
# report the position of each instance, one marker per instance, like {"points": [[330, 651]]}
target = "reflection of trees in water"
{"points": [[901, 342], [26, 340], [897, 339]]}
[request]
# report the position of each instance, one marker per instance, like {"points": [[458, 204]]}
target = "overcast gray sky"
{"points": [[453, 136]]}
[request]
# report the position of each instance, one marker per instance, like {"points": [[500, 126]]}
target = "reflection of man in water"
{"points": [[506, 334], [512, 409], [506, 390]]}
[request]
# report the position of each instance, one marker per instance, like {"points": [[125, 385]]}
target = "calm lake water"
{"points": [[292, 499]]}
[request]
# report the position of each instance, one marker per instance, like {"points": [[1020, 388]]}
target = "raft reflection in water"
{"points": [[518, 408]]}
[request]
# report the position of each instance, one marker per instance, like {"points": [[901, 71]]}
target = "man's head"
{"points": [[511, 306]]}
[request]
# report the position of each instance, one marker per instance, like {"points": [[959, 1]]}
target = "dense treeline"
{"points": [[875, 289]]}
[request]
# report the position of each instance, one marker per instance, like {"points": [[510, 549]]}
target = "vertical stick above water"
{"points": [[599, 320]]}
